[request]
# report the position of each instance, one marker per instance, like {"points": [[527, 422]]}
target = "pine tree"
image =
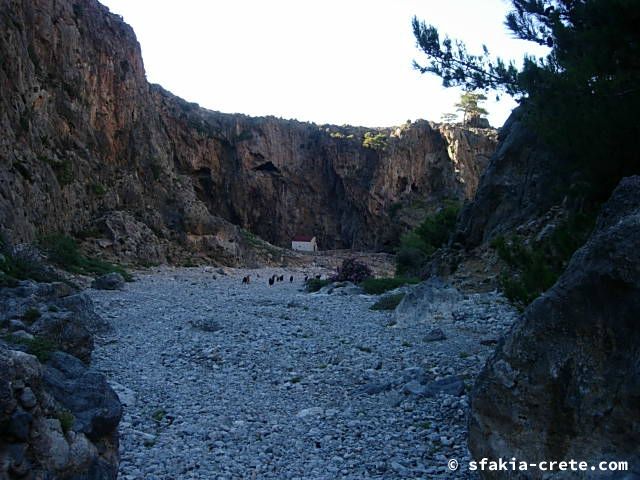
{"points": [[583, 98], [469, 105]]}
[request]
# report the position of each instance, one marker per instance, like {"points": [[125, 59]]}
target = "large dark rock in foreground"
{"points": [[58, 416], [565, 384], [59, 421]]}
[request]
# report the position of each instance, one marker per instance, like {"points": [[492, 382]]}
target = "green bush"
{"points": [[158, 415], [7, 282], [377, 286], [64, 172], [98, 189], [31, 315], [394, 208], [24, 264], [66, 419], [63, 169], [315, 284], [418, 245], [534, 268], [388, 302], [413, 241], [41, 347], [64, 252], [437, 228], [374, 141], [409, 260]]}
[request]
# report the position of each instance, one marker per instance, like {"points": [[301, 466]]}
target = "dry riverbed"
{"points": [[225, 380]]}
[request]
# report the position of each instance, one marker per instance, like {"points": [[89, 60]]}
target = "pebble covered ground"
{"points": [[223, 380]]}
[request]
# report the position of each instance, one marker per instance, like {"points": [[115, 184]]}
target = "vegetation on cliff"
{"points": [[419, 244], [470, 105], [21, 264], [533, 267], [64, 252]]}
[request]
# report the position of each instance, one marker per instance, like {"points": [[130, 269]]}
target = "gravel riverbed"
{"points": [[222, 380]]}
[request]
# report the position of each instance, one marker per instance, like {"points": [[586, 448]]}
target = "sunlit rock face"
{"points": [[85, 137]]}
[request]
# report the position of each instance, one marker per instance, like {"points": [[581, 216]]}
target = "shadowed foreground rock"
{"points": [[61, 419], [565, 384], [58, 418]]}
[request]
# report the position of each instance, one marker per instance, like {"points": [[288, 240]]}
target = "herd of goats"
{"points": [[277, 278]]}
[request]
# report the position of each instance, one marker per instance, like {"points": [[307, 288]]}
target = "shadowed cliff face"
{"points": [[87, 143]]}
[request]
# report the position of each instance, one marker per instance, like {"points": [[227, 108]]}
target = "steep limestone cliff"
{"points": [[90, 148]]}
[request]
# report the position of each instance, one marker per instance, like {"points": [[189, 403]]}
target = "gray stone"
{"points": [[374, 388], [521, 168], [85, 393], [414, 388], [310, 412], [22, 335], [54, 290], [284, 352], [28, 398], [449, 386], [81, 451], [20, 424], [425, 301], [51, 445], [125, 395], [109, 281], [82, 307], [16, 325], [207, 325], [19, 464], [435, 335], [67, 332], [45, 450]]}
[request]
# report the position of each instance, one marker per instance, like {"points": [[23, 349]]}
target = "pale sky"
{"points": [[325, 61]]}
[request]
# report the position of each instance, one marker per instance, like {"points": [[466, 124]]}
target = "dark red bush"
{"points": [[352, 270]]}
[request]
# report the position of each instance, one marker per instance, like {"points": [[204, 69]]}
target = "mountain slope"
{"points": [[90, 148]]}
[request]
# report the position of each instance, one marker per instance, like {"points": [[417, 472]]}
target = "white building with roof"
{"points": [[304, 243]]}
